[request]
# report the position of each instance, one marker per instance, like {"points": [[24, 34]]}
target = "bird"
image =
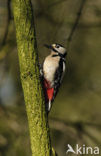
{"points": [[52, 72]]}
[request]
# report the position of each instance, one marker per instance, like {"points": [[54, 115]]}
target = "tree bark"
{"points": [[33, 95]]}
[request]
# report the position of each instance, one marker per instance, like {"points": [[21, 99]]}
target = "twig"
{"points": [[77, 124], [76, 21], [63, 126], [8, 22]]}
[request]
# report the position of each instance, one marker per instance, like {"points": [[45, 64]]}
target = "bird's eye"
{"points": [[57, 46]]}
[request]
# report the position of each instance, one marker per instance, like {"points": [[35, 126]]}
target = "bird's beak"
{"points": [[48, 46]]}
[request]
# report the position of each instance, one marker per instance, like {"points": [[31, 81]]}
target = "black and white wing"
{"points": [[59, 76]]}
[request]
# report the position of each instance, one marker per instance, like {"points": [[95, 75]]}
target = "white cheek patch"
{"points": [[61, 50]]}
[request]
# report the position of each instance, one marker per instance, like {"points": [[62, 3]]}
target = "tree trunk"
{"points": [[33, 95]]}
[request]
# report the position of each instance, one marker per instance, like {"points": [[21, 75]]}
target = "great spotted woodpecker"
{"points": [[52, 71]]}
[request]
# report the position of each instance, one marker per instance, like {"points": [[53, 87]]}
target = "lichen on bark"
{"points": [[30, 78]]}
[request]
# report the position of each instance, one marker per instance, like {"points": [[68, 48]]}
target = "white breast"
{"points": [[49, 68]]}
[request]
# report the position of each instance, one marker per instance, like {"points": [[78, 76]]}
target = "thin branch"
{"points": [[8, 22], [78, 124], [76, 21], [63, 126]]}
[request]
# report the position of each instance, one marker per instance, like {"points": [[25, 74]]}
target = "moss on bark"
{"points": [[33, 95]]}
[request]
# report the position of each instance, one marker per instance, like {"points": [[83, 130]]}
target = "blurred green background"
{"points": [[75, 117]]}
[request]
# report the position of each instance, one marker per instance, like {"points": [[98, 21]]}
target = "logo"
{"points": [[83, 150]]}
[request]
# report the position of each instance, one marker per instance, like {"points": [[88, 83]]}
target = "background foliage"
{"points": [[76, 113]]}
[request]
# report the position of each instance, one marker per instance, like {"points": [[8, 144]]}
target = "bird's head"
{"points": [[57, 48]]}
